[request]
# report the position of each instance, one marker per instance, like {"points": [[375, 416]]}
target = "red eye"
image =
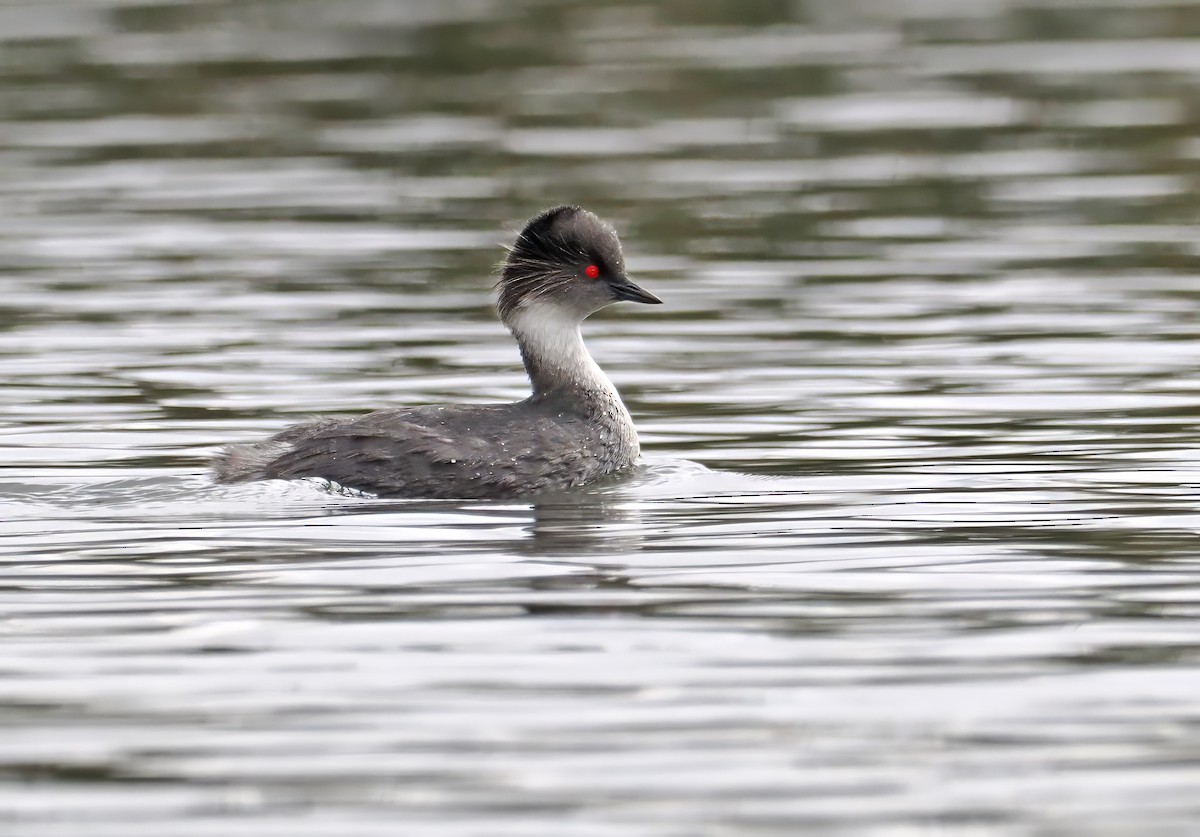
{"points": [[591, 272]]}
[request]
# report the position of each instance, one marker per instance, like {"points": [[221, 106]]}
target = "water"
{"points": [[914, 545]]}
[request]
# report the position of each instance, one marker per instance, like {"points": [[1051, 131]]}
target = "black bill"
{"points": [[630, 292]]}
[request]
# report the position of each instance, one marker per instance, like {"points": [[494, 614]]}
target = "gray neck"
{"points": [[558, 363]]}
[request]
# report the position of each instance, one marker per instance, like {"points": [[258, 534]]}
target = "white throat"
{"points": [[553, 346]]}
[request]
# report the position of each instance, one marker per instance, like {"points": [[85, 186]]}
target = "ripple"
{"points": [[914, 536]]}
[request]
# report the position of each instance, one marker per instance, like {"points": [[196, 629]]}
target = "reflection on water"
{"points": [[914, 545]]}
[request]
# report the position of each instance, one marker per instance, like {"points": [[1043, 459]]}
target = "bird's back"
{"points": [[453, 451]]}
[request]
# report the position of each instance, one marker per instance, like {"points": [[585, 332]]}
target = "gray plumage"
{"points": [[573, 429]]}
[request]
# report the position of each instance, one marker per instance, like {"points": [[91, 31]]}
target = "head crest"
{"points": [[555, 250]]}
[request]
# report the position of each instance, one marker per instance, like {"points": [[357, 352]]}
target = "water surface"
{"points": [[914, 545]]}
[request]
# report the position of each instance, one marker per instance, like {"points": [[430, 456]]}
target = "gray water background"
{"points": [[914, 546]]}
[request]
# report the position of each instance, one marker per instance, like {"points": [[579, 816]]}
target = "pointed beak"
{"points": [[626, 290]]}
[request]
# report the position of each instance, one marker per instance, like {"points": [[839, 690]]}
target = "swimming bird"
{"points": [[573, 429]]}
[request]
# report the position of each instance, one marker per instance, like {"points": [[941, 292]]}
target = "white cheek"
{"points": [[553, 331]]}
